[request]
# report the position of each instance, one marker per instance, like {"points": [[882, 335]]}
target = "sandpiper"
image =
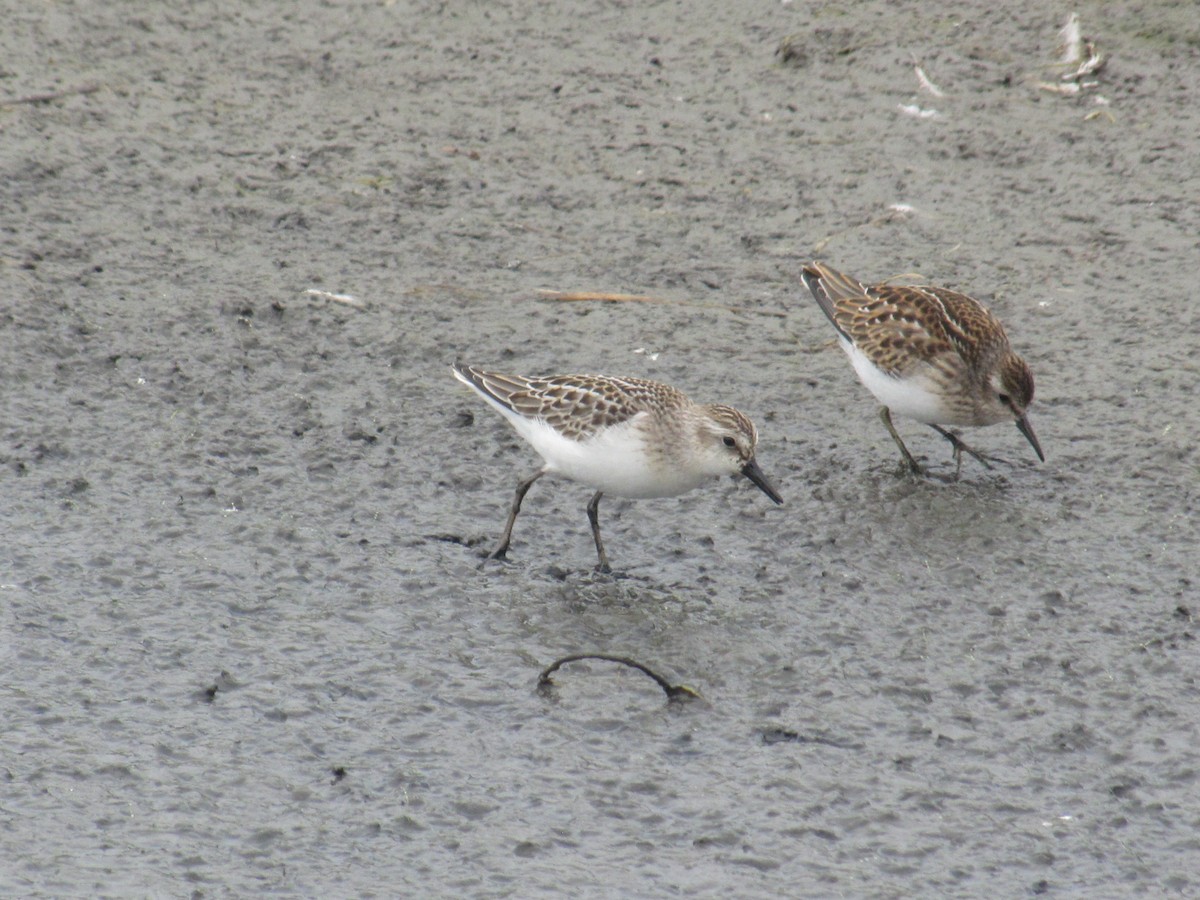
{"points": [[623, 436], [928, 353]]}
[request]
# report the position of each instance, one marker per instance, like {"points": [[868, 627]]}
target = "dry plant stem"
{"points": [[51, 96], [608, 297], [601, 296]]}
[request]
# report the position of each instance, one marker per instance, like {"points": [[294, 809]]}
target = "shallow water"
{"points": [[249, 645]]}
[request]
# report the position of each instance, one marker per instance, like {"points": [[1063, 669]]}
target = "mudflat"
{"points": [[250, 642]]}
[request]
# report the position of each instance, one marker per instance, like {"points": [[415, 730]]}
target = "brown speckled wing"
{"points": [[576, 406], [896, 325], [950, 318]]}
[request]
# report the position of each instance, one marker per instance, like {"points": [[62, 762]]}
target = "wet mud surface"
{"points": [[248, 643]]}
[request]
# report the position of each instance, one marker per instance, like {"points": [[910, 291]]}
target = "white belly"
{"points": [[911, 397], [614, 461]]}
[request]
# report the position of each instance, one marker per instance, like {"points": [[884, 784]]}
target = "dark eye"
{"points": [[1006, 400], [728, 441]]}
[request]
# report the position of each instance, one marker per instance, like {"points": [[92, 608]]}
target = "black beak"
{"points": [[755, 474], [1026, 429]]}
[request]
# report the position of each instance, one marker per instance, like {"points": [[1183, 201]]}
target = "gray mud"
{"points": [[248, 646]]}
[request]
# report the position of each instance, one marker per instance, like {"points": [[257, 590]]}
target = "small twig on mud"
{"points": [[51, 96], [603, 297], [787, 736], [673, 691], [897, 212], [907, 276], [609, 297], [1100, 113]]}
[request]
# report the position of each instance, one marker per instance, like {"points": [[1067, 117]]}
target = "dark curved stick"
{"points": [[673, 691]]}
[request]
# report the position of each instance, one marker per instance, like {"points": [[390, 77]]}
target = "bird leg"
{"points": [[912, 464], [501, 552], [959, 447], [593, 509]]}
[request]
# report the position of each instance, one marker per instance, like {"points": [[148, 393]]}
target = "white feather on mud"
{"points": [[1070, 49], [927, 85], [917, 112], [1079, 57], [345, 299]]}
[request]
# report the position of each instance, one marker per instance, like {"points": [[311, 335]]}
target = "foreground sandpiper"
{"points": [[623, 436], [927, 353]]}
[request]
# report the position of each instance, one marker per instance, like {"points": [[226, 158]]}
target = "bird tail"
{"points": [[828, 287], [492, 386]]}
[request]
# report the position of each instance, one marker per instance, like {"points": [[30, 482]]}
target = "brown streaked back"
{"points": [[897, 325], [576, 406]]}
